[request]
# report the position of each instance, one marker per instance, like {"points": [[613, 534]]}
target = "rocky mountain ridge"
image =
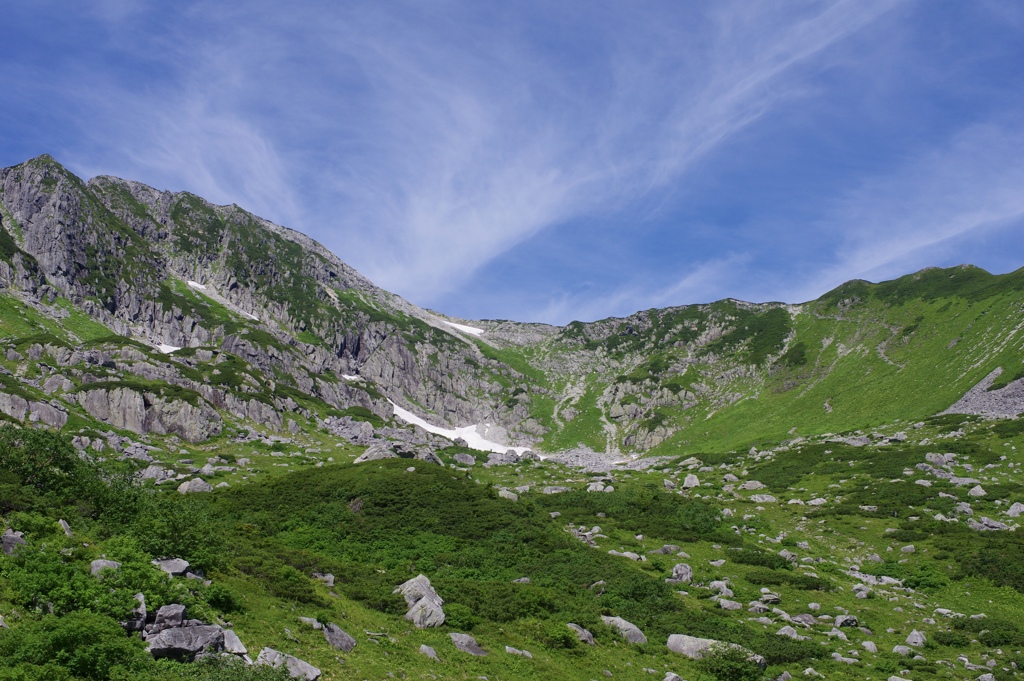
{"points": [[158, 312]]}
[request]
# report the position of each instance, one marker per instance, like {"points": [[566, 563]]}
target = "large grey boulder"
{"points": [[175, 567], [1015, 510], [691, 481], [10, 540], [99, 565], [681, 574], [194, 485], [167, 617], [696, 648], [582, 634], [378, 450], [465, 459], [233, 644], [629, 631], [184, 643], [424, 603], [297, 669], [846, 621], [338, 638], [916, 639], [467, 644]]}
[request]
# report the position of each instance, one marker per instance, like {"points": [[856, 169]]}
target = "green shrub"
{"points": [[460, 617], [953, 639], [87, 645], [727, 663]]}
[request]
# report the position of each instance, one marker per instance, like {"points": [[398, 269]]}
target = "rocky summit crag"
{"points": [[208, 468]]}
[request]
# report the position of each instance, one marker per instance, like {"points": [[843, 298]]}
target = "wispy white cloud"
{"points": [[923, 213], [435, 141]]}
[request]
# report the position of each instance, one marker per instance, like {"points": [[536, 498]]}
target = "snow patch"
{"points": [[167, 349], [351, 378], [465, 329], [196, 285], [468, 433]]}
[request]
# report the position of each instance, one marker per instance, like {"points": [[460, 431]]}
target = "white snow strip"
{"points": [[196, 285], [351, 378], [469, 433], [250, 316], [167, 349], [465, 329]]}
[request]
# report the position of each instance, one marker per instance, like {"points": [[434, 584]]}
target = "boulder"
{"points": [[505, 494], [378, 450], [10, 540], [297, 669], [167, 617], [629, 631], [582, 634], [916, 639], [338, 638], [424, 603], [681, 574], [428, 651], [691, 481], [175, 567], [97, 566], [194, 485], [233, 644], [465, 459], [846, 621], [515, 651], [695, 648], [467, 644], [1015, 510], [184, 643]]}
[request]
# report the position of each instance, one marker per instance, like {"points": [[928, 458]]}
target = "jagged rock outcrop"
{"points": [[424, 603]]}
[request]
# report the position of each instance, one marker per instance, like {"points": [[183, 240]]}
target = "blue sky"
{"points": [[551, 161]]}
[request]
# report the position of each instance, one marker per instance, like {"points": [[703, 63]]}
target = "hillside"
{"points": [[833, 485]]}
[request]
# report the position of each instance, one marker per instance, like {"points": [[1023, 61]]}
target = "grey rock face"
{"points": [[467, 644], [297, 669], [184, 643], [338, 638], [629, 631], [582, 634], [424, 603]]}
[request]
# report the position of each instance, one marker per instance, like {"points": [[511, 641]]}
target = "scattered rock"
{"points": [[338, 638], [195, 485], [582, 634], [424, 603], [297, 669], [97, 566], [175, 567], [467, 644], [629, 631]]}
